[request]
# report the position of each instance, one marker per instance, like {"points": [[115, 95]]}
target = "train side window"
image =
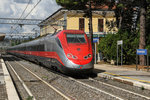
{"points": [[38, 47], [27, 48], [41, 47], [58, 42], [30, 48], [35, 47]]}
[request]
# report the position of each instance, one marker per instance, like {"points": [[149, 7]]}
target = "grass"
{"points": [[142, 88], [30, 98], [45, 77]]}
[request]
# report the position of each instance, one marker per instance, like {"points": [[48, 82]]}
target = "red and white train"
{"points": [[68, 51]]}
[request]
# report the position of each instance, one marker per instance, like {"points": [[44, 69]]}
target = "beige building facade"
{"points": [[103, 22]]}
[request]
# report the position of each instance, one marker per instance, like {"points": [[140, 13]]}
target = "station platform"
{"points": [[7, 88], [124, 74], [3, 93]]}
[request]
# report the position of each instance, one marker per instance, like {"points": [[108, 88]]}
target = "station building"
{"points": [[64, 19]]}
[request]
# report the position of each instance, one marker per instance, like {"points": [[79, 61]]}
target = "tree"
{"points": [[108, 46], [126, 7], [142, 42], [126, 13], [73, 4]]}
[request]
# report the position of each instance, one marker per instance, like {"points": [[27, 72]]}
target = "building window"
{"points": [[100, 25], [81, 24]]}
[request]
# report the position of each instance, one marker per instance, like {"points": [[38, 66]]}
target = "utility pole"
{"points": [[90, 24], [91, 30]]}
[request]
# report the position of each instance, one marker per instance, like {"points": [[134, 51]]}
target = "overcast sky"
{"points": [[14, 9]]}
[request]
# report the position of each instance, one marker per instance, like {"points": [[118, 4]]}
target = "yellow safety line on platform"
{"points": [[128, 77]]}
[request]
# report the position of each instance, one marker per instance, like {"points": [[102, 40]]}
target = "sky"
{"points": [[14, 9]]}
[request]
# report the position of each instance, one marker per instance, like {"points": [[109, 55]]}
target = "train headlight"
{"points": [[69, 55], [74, 57], [89, 55], [85, 57]]}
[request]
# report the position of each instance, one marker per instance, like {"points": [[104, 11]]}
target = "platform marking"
{"points": [[66, 97], [127, 77], [10, 88], [22, 82]]}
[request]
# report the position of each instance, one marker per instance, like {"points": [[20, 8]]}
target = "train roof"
{"points": [[73, 31], [48, 36]]}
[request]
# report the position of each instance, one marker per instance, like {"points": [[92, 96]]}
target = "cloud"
{"points": [[3, 28], [5, 9], [22, 1], [14, 9]]}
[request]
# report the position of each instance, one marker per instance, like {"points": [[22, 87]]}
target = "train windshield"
{"points": [[76, 38]]}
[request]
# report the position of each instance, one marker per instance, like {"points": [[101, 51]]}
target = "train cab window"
{"points": [[75, 38]]}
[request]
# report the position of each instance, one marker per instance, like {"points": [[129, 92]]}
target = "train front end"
{"points": [[78, 52]]}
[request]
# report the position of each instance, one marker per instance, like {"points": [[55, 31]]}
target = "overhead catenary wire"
{"points": [[29, 12], [75, 6], [32, 9], [23, 13], [25, 9], [54, 20]]}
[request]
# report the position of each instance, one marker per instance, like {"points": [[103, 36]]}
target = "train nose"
{"points": [[72, 65], [80, 58]]}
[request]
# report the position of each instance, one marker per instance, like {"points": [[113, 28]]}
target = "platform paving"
{"points": [[124, 74], [7, 88], [3, 93]]}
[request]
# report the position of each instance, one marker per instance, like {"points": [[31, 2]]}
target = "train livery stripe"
{"points": [[46, 54]]}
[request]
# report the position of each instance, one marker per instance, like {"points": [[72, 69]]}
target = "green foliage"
{"points": [[72, 4], [124, 15], [30, 98], [15, 42], [142, 88], [120, 5], [108, 46], [83, 4]]}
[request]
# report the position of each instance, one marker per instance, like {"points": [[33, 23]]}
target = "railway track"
{"points": [[69, 87], [33, 83]]}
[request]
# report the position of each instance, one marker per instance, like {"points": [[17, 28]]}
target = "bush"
{"points": [[108, 46]]}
